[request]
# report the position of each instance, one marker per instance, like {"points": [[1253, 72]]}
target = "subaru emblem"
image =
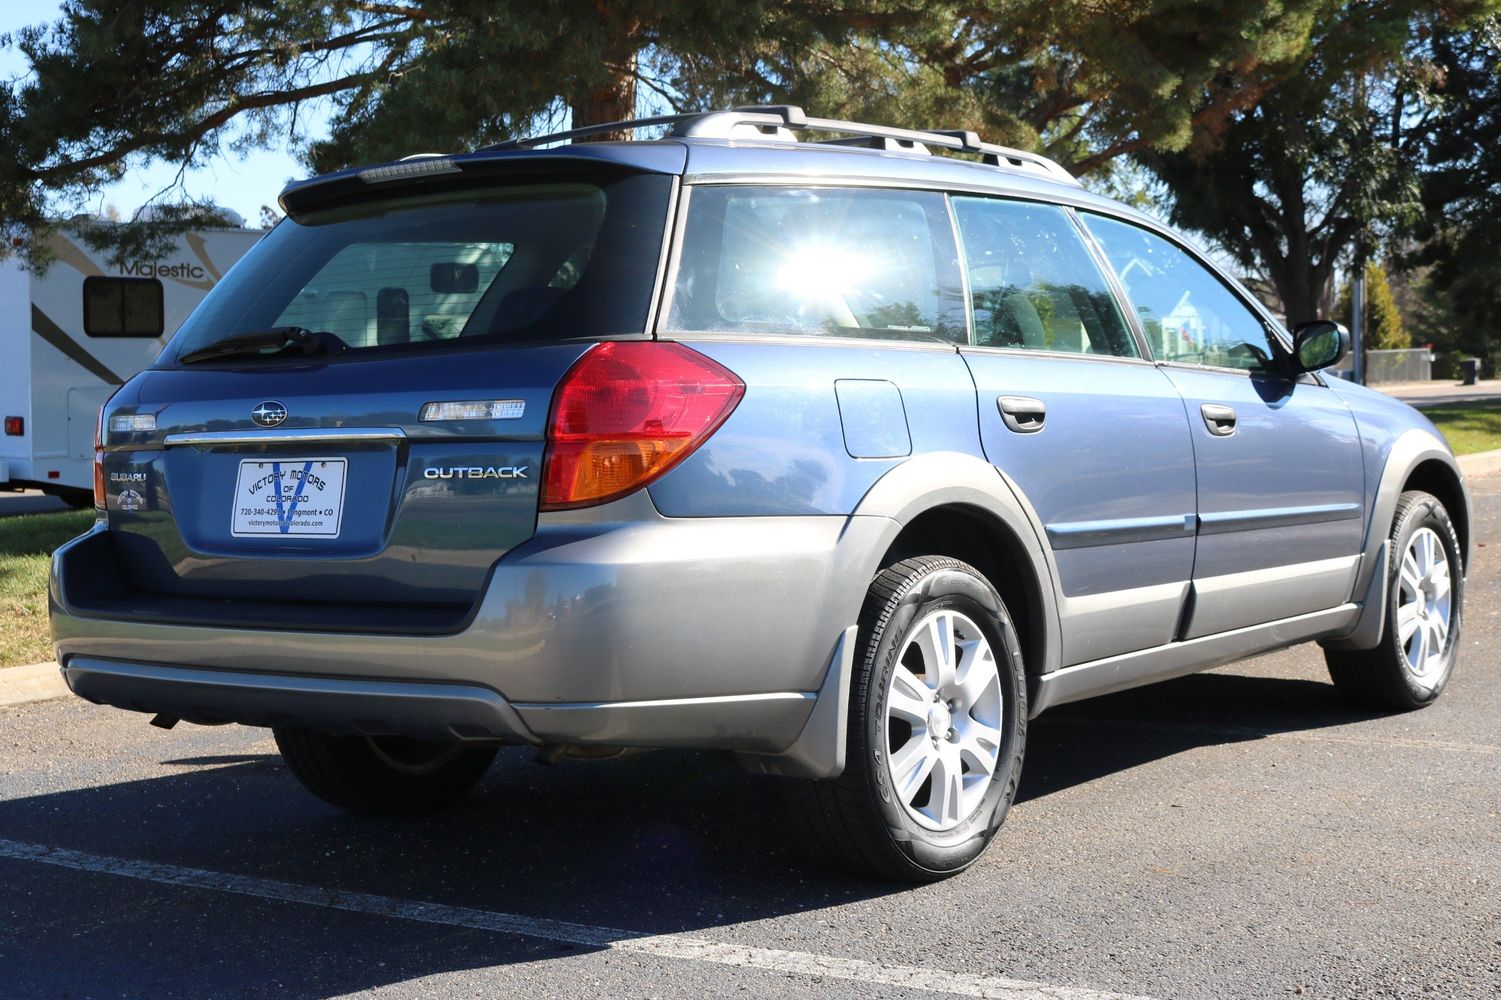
{"points": [[269, 414]]}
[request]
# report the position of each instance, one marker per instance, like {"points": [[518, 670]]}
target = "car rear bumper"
{"points": [[613, 627]]}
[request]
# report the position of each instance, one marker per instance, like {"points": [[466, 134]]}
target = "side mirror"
{"points": [[1319, 344]]}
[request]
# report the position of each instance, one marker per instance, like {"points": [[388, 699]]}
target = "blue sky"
{"points": [[243, 183]]}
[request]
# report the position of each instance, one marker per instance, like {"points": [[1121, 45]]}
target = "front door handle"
{"points": [[1022, 414], [1219, 419]]}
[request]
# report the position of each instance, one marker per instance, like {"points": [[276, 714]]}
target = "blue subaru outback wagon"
{"points": [[847, 456]]}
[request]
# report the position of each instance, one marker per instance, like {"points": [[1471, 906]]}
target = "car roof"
{"points": [[754, 145]]}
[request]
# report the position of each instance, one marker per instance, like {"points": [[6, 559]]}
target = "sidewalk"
{"points": [[1440, 392], [35, 682]]}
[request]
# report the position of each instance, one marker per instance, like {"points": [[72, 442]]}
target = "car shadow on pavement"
{"points": [[659, 843], [1089, 740]]}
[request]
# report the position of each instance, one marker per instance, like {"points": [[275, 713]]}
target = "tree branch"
{"points": [[197, 130]]}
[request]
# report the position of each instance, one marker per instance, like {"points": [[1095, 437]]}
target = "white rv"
{"points": [[72, 334]]}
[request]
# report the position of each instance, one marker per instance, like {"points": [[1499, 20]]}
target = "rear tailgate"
{"points": [[262, 480], [376, 505]]}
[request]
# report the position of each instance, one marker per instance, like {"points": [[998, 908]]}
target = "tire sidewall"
{"points": [[961, 589]]}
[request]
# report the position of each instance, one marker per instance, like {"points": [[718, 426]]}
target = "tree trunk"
{"points": [[1301, 291], [613, 99]]}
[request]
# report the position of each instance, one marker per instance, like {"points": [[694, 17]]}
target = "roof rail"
{"points": [[780, 121]]}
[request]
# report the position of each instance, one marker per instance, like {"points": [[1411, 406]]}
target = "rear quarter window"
{"points": [[819, 262]]}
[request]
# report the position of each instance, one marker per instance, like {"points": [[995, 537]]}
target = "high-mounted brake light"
{"points": [[626, 412]]}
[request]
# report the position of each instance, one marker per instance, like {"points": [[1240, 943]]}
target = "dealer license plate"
{"points": [[302, 496]]}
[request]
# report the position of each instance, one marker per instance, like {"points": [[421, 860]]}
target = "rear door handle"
{"points": [[1219, 419], [1022, 414]]}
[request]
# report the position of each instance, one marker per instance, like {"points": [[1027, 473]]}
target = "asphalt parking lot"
{"points": [[1232, 834]]}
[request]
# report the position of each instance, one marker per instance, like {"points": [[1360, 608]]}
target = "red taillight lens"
{"points": [[15, 426], [625, 413], [99, 459]]}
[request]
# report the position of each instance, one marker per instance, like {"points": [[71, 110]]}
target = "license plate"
{"points": [[303, 496]]}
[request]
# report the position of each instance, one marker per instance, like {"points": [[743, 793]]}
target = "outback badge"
{"points": [[269, 414]]}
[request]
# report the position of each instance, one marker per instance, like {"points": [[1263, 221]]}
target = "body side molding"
{"points": [[1117, 673]]}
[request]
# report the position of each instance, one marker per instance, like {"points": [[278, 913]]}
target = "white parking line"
{"points": [[678, 946]]}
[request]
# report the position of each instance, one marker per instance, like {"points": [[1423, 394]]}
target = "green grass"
{"points": [[26, 543], [1470, 427]]}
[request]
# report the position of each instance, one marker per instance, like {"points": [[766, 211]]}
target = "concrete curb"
{"points": [[35, 682], [1482, 463]]}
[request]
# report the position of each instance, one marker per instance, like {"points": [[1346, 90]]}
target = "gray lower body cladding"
{"points": [[612, 630]]}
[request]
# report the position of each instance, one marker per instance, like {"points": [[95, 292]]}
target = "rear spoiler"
{"points": [[434, 172]]}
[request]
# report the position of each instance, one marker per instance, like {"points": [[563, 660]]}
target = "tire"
{"points": [[1396, 675], [878, 819], [382, 776]]}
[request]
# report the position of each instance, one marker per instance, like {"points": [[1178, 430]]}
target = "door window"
{"points": [[1034, 284], [1188, 313], [819, 261]]}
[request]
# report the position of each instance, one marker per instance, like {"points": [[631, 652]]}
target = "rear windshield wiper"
{"points": [[270, 342]]}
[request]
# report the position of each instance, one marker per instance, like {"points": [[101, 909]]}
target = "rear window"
{"points": [[512, 263], [819, 261]]}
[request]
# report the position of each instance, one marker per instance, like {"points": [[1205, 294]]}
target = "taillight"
{"points": [[99, 459], [99, 451], [625, 413]]}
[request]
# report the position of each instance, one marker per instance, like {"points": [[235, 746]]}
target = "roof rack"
{"points": [[780, 121]]}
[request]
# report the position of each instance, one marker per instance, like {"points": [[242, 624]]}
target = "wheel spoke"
{"points": [[977, 673], [1418, 654], [1440, 578], [911, 765], [1407, 621], [945, 803], [909, 697], [1412, 578], [980, 745], [936, 642]]}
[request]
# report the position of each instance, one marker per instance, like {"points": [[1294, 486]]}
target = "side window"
{"points": [[1033, 282], [122, 307], [1188, 313], [821, 262]]}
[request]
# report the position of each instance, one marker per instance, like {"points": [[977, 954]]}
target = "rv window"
{"points": [[122, 307]]}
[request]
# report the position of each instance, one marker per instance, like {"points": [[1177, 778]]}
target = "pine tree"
{"points": [[116, 82]]}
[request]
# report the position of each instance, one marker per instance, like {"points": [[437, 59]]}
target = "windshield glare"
{"points": [[513, 263]]}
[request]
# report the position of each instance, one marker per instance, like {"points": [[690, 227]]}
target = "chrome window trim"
{"points": [[667, 261], [811, 340]]}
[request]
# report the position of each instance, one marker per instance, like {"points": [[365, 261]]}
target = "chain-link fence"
{"points": [[1413, 364]]}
